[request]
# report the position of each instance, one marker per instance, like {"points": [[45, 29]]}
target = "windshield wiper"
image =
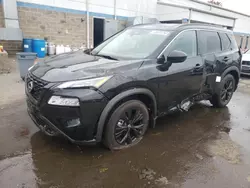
{"points": [[106, 56]]}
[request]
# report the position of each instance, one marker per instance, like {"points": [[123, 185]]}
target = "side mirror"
{"points": [[161, 60], [177, 57]]}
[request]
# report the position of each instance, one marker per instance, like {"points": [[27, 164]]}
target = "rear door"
{"points": [[210, 49], [226, 56]]}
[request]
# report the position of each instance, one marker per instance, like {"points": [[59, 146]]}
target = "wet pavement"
{"points": [[205, 147]]}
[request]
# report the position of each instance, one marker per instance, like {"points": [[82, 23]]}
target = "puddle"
{"points": [[225, 148]]}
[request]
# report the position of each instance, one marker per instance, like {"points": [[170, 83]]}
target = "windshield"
{"points": [[132, 43]]}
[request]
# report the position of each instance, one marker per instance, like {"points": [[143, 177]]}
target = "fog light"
{"points": [[73, 123], [63, 101]]}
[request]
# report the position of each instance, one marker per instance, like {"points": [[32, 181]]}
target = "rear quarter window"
{"points": [[234, 44], [209, 42], [225, 41]]}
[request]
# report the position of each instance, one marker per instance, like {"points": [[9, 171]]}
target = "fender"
{"points": [[115, 100], [233, 68], [225, 72]]}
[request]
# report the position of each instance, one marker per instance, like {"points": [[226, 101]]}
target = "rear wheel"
{"points": [[225, 92], [127, 125]]}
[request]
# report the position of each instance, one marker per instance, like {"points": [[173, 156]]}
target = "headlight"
{"points": [[95, 82], [63, 101], [35, 62], [30, 68]]}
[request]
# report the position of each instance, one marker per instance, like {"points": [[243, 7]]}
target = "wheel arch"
{"points": [[234, 71], [141, 94]]}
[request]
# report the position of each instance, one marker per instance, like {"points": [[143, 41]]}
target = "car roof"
{"points": [[172, 27], [168, 27]]}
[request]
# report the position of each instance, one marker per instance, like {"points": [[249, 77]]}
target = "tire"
{"points": [[221, 99], [130, 118]]}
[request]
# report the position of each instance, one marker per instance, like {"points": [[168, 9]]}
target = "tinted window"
{"points": [[233, 41], [225, 41], [209, 42], [185, 42]]}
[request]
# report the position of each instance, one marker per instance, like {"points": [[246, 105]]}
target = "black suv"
{"points": [[113, 93]]}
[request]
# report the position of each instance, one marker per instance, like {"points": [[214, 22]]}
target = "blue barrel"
{"points": [[38, 46], [27, 45]]}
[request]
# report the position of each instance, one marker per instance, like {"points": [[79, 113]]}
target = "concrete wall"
{"points": [[208, 18], [12, 47], [61, 21], [242, 20], [104, 8], [58, 27], [165, 13], [64, 21]]}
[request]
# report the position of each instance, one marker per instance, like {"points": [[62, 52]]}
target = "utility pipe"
{"points": [[115, 9], [87, 9]]}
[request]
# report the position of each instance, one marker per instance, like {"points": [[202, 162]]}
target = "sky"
{"points": [[237, 5]]}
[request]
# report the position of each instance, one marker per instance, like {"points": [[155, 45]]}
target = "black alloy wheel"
{"points": [[127, 125], [227, 91]]}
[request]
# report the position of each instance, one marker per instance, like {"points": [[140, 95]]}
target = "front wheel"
{"points": [[127, 125], [225, 92]]}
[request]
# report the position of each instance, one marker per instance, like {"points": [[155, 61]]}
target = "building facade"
{"points": [[73, 22]]}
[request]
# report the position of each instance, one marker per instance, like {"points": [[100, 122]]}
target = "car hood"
{"points": [[78, 65]]}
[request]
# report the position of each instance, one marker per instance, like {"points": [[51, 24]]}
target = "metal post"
{"points": [[115, 9], [247, 42], [87, 9], [10, 13], [190, 16], [241, 41]]}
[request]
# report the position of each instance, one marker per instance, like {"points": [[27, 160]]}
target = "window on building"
{"points": [[185, 42], [225, 41], [209, 42]]}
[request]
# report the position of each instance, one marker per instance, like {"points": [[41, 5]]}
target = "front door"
{"points": [[179, 81]]}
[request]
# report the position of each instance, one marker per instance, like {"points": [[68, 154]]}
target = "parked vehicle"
{"points": [[114, 93], [245, 69]]}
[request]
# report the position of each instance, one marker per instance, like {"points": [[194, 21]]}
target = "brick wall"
{"points": [[12, 47], [1, 16], [57, 27]]}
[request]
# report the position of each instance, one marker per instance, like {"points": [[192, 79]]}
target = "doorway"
{"points": [[98, 31]]}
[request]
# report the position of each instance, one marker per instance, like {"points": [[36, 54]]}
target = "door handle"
{"points": [[197, 66], [226, 59], [196, 69]]}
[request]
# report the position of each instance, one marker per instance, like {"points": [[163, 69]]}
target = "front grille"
{"points": [[38, 86], [245, 62], [245, 69], [39, 120]]}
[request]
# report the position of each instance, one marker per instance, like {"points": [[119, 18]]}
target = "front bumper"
{"points": [[52, 130], [245, 70], [52, 119]]}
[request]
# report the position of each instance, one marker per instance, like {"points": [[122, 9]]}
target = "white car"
{"points": [[245, 69]]}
